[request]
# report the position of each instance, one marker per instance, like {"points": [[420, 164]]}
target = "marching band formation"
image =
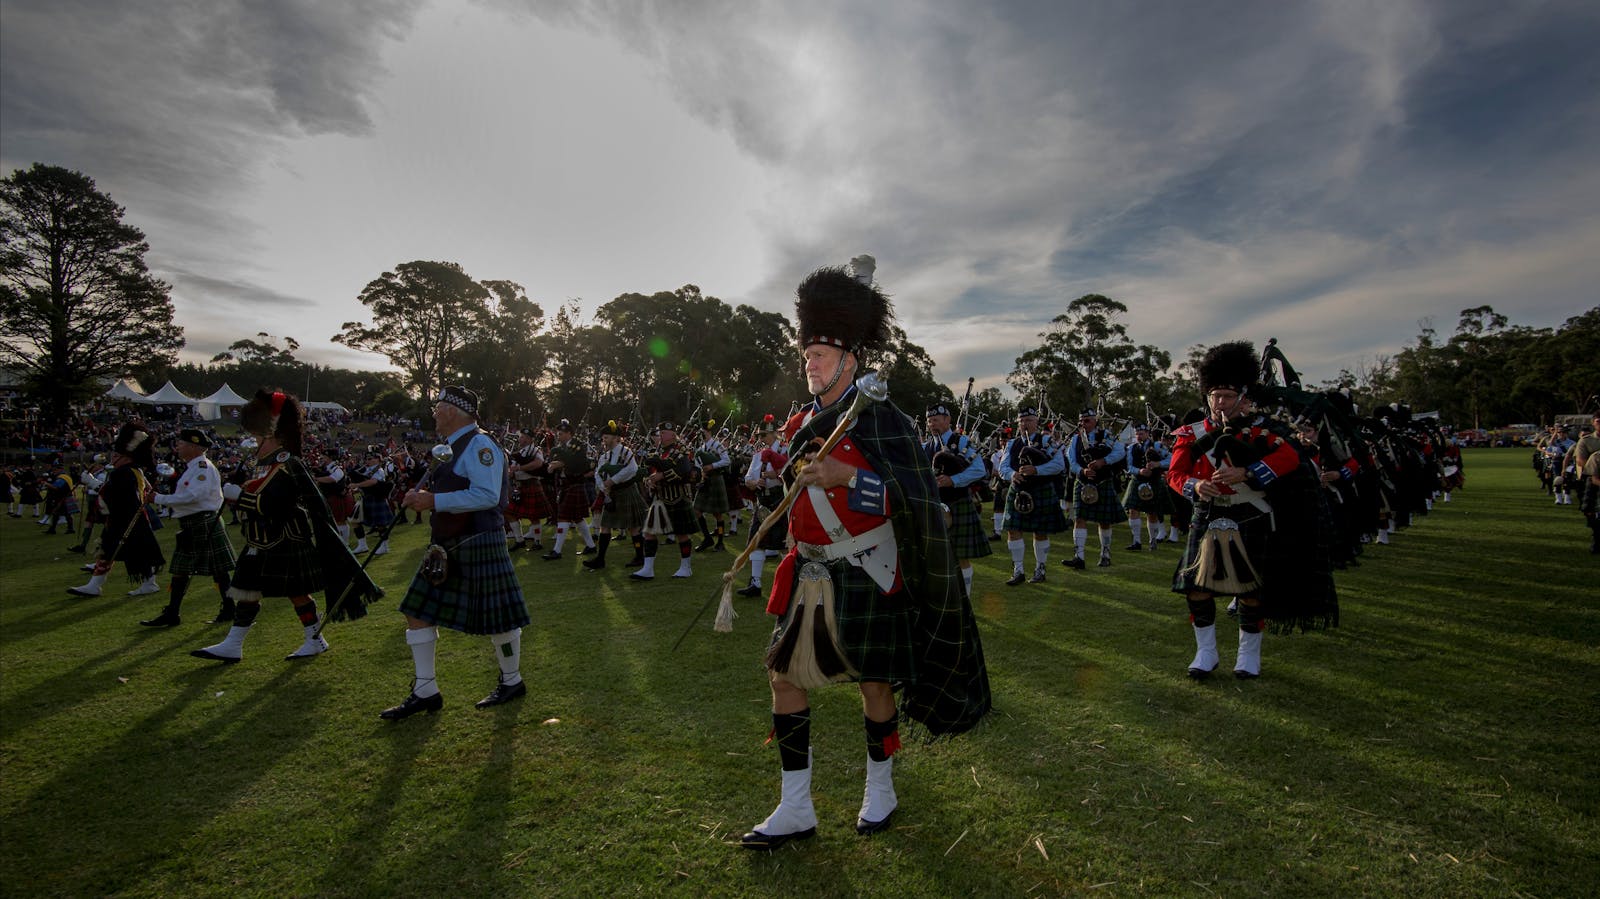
{"points": [[872, 522]]}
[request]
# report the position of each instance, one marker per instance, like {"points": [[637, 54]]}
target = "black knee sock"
{"points": [[649, 547], [180, 585], [638, 546], [1203, 612], [245, 614], [883, 738], [1250, 617], [792, 732], [306, 608], [601, 543], [685, 547]]}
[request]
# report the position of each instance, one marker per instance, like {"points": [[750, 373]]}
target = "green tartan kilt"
{"points": [[1001, 490], [712, 498], [766, 501], [874, 629], [1046, 517], [1254, 528], [1155, 505], [480, 595], [968, 535], [202, 546], [676, 519], [291, 568], [1107, 511], [375, 510], [625, 509]]}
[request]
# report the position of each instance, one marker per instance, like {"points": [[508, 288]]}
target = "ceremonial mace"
{"points": [[444, 455], [872, 387]]}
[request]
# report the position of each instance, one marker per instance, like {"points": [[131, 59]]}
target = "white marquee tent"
{"points": [[125, 389], [211, 407], [168, 395]]}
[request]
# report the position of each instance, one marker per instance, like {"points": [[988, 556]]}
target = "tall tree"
{"points": [[1087, 354], [506, 361], [424, 315], [80, 306]]}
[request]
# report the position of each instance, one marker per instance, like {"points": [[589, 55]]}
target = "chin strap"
{"points": [[838, 372]]}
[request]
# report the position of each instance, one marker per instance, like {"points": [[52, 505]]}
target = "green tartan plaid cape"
{"points": [[951, 691]]}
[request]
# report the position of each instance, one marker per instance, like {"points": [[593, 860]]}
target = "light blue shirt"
{"points": [[487, 474], [1053, 467], [1118, 452]]}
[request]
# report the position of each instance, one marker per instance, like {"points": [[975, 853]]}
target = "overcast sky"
{"points": [[1325, 173]]}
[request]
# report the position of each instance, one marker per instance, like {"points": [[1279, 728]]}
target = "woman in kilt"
{"points": [[1094, 455], [671, 512], [291, 549], [1145, 498], [466, 581], [202, 542], [529, 501], [869, 591], [1032, 465], [1255, 533], [616, 476], [376, 482], [764, 478], [956, 467], [129, 537]]}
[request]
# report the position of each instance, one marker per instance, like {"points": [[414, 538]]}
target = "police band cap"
{"points": [[938, 409], [459, 397], [196, 437], [1027, 412], [1088, 413]]}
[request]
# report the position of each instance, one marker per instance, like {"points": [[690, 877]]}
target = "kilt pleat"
{"points": [[874, 629], [1156, 505], [575, 501], [375, 510], [1045, 518], [712, 497], [202, 546], [532, 502], [480, 595], [969, 538], [289, 568], [1107, 510], [625, 509], [670, 518]]}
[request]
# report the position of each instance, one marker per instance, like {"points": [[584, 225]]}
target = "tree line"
{"points": [[81, 309]]}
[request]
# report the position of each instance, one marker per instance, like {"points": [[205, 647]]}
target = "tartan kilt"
{"points": [[575, 502], [375, 510], [1155, 505], [777, 535], [92, 513], [969, 538], [874, 629], [712, 497], [202, 546], [1001, 490], [481, 594], [532, 501], [1254, 527], [342, 505], [625, 509], [1107, 511], [1046, 517], [676, 519], [291, 568]]}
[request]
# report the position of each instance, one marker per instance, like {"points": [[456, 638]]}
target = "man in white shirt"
{"points": [[202, 544]]}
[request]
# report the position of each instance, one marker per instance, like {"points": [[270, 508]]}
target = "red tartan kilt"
{"points": [[342, 506], [746, 495], [574, 505], [532, 502]]}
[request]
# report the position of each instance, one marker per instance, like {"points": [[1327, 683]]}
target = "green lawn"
{"points": [[1443, 741]]}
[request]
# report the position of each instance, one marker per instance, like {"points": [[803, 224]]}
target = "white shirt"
{"points": [[199, 489]]}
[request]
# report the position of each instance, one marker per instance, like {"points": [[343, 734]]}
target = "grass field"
{"points": [[1444, 741]]}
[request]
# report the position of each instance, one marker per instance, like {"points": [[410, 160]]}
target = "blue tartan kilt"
{"points": [[202, 546], [712, 497], [874, 629], [625, 509], [1046, 517], [291, 568], [1107, 511], [375, 510], [969, 537], [1156, 505], [480, 595]]}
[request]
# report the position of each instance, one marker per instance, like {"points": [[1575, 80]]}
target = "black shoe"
{"points": [[1038, 575], [76, 548], [636, 576], [413, 705], [165, 619], [594, 564], [868, 828], [635, 563], [705, 544], [551, 556], [995, 538], [1105, 561], [766, 842], [224, 615], [208, 654], [1072, 563], [753, 590], [503, 693], [51, 532], [1016, 578], [589, 550], [1135, 546]]}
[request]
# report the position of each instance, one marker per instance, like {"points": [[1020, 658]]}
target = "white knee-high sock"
{"points": [[966, 577], [422, 641], [561, 537], [1017, 548], [1080, 537], [1105, 540], [583, 531], [1041, 551], [999, 519], [508, 652], [756, 560]]}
